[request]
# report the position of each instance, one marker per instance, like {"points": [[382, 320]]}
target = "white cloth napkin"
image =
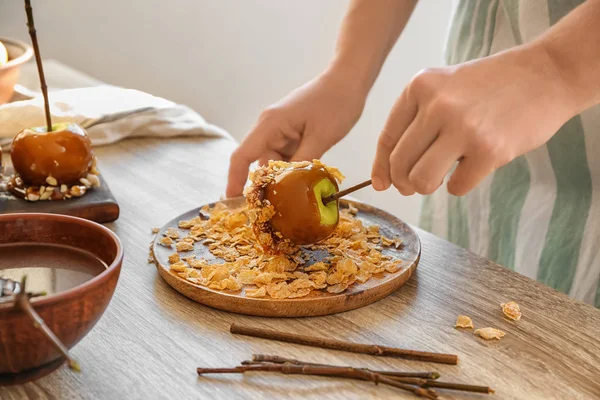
{"points": [[108, 113]]}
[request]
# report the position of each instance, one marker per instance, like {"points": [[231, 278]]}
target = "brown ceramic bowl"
{"points": [[71, 313], [18, 54]]}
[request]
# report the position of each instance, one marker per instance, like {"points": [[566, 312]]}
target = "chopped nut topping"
{"points": [[47, 194], [51, 181], [78, 191], [86, 183], [93, 179]]}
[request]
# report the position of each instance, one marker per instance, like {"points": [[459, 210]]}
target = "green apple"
{"points": [[329, 212]]}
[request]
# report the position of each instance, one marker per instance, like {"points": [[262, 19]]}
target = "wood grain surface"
{"points": [[151, 339], [317, 302]]}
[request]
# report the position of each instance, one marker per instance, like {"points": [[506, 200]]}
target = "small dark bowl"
{"points": [[70, 314]]}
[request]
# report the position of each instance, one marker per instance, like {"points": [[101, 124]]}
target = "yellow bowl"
{"points": [[18, 54]]}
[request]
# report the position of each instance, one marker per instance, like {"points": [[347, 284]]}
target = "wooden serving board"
{"points": [[98, 204], [317, 302]]}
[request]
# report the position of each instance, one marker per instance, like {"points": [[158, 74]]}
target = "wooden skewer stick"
{"points": [[344, 192], [423, 379], [333, 344], [38, 61], [262, 358], [342, 372]]}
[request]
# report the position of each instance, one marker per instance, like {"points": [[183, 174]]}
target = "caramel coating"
{"points": [[297, 216], [65, 154]]}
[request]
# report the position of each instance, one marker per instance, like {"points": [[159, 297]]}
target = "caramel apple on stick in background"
{"points": [[55, 161]]}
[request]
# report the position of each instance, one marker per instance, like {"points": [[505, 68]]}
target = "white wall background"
{"points": [[229, 59]]}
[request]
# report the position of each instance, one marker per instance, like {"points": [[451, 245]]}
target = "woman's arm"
{"points": [[307, 122], [368, 33], [486, 112], [573, 46]]}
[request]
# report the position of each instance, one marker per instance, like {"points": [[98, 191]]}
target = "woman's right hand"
{"points": [[300, 127]]}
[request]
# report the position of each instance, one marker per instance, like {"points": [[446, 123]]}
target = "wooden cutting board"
{"points": [[317, 302], [98, 205]]}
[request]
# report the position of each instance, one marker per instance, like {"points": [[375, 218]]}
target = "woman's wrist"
{"points": [[354, 76]]}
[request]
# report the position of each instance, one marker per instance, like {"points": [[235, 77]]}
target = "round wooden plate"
{"points": [[317, 302]]}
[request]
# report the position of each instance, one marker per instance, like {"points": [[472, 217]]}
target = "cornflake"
{"points": [[464, 322], [511, 310], [489, 333], [166, 241], [184, 246], [264, 264], [172, 233]]}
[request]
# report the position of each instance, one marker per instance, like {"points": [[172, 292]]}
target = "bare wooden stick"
{"points": [[340, 372], [258, 358], [423, 379], [333, 344], [344, 192], [22, 301], [459, 386], [38, 61]]}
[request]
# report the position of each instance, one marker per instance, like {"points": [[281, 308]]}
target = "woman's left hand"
{"points": [[483, 114]]}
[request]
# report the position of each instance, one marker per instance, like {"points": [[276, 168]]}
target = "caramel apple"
{"points": [[62, 156], [285, 204], [297, 199]]}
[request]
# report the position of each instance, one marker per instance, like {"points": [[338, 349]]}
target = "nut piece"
{"points": [[489, 333], [47, 194], [93, 179], [464, 322], [511, 310], [86, 183], [64, 188], [32, 197], [77, 191], [51, 181]]}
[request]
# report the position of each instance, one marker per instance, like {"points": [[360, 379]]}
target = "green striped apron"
{"points": [[540, 214]]}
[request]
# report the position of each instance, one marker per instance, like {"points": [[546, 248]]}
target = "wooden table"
{"points": [[151, 339]]}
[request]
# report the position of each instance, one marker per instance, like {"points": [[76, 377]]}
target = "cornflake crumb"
{"points": [[155, 230], [489, 333], [166, 241], [511, 310], [184, 246], [172, 233], [464, 322]]}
